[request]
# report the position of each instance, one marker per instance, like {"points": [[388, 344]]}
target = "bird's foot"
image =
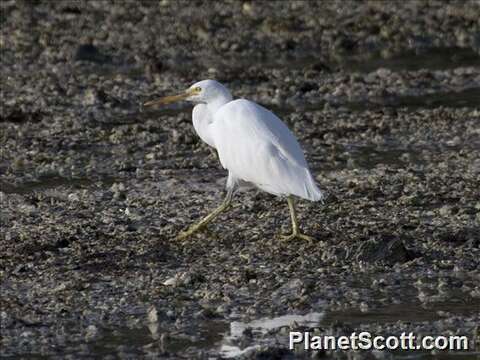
{"points": [[297, 235], [206, 220], [183, 235]]}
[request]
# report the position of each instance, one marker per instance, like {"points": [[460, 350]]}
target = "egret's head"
{"points": [[205, 91]]}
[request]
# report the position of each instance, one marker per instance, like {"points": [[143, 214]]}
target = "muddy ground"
{"points": [[383, 96]]}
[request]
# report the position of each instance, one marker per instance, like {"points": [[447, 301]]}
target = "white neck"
{"points": [[217, 102]]}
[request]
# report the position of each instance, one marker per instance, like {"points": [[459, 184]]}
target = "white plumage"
{"points": [[257, 147], [253, 144]]}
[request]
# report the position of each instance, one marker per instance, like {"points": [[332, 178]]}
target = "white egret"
{"points": [[253, 144]]}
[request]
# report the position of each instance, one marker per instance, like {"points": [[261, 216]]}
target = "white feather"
{"points": [[257, 147], [202, 118]]}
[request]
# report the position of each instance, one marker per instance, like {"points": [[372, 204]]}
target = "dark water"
{"points": [[408, 311], [467, 98], [432, 58], [225, 338], [52, 182], [413, 60], [410, 60]]}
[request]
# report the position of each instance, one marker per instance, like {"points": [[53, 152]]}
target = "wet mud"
{"points": [[384, 98]]}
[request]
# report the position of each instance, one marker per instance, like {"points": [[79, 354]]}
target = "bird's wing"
{"points": [[254, 122], [256, 146]]}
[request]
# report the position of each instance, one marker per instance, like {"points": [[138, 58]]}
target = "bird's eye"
{"points": [[198, 89]]}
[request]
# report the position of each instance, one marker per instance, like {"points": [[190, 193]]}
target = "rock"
{"points": [[173, 281], [387, 250], [152, 314], [73, 197], [89, 52], [91, 333]]}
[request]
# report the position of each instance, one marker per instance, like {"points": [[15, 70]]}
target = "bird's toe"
{"points": [[297, 235], [190, 231], [286, 238], [182, 235]]}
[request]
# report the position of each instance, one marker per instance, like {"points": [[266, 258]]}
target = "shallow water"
{"points": [[358, 156], [52, 182], [413, 60], [408, 311], [468, 98], [238, 336], [231, 339], [432, 58], [369, 156]]}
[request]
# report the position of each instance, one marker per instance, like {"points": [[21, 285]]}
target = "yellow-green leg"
{"points": [[296, 234], [207, 219]]}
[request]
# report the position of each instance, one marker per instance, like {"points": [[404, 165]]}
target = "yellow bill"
{"points": [[171, 99]]}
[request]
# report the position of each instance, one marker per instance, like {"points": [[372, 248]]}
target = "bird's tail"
{"points": [[312, 191]]}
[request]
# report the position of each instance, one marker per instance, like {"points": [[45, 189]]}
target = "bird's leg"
{"points": [[296, 234], [207, 219]]}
